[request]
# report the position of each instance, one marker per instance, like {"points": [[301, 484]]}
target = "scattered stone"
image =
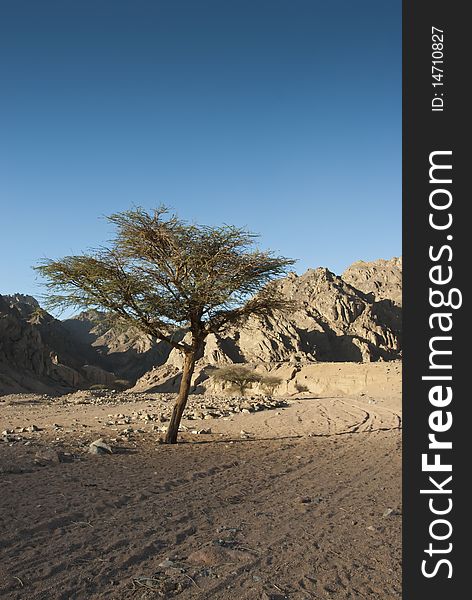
{"points": [[47, 457], [166, 564], [160, 428], [99, 447]]}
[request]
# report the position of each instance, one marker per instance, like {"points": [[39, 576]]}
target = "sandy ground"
{"points": [[307, 504]]}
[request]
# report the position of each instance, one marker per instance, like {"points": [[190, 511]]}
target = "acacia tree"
{"points": [[165, 277], [239, 376]]}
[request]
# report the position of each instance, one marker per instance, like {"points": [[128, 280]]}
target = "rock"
{"points": [[37, 353], [353, 317], [160, 429], [381, 278], [47, 457], [335, 320], [166, 564], [99, 447], [12, 438], [97, 376]]}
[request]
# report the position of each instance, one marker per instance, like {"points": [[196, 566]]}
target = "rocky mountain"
{"points": [[127, 352], [23, 356], [38, 354], [355, 317], [332, 321], [380, 278]]}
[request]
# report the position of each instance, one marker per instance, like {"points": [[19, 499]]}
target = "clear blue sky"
{"points": [[280, 115]]}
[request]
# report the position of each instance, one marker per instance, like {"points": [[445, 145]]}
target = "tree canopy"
{"points": [[164, 275], [161, 274]]}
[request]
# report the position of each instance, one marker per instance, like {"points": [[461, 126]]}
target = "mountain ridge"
{"points": [[353, 317]]}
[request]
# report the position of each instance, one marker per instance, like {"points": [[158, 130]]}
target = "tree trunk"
{"points": [[181, 400]]}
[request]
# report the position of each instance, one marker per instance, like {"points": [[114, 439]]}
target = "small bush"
{"points": [[270, 382], [238, 376]]}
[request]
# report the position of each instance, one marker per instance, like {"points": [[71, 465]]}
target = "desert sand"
{"points": [[300, 501]]}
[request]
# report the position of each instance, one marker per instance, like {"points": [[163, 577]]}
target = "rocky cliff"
{"points": [[331, 321], [356, 317], [127, 352], [382, 279], [38, 354]]}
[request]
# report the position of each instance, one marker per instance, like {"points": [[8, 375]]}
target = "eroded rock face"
{"points": [[332, 321], [38, 354], [356, 317], [381, 278], [127, 353], [23, 356]]}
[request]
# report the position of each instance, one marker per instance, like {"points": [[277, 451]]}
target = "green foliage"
{"points": [[162, 274], [238, 376], [241, 377], [270, 382]]}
